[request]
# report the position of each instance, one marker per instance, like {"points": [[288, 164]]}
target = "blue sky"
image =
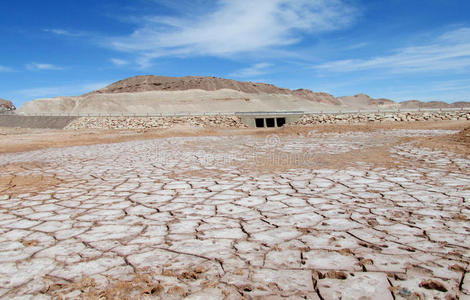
{"points": [[395, 49]]}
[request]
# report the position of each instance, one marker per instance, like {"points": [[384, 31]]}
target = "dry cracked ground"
{"points": [[238, 217]]}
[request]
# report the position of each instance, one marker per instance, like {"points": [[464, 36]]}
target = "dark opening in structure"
{"points": [[259, 123], [270, 122], [280, 122]]}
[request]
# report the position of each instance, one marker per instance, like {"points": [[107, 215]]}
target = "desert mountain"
{"points": [[148, 83], [432, 104], [362, 100], [159, 94], [6, 105]]}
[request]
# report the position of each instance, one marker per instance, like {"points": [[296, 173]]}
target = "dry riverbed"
{"points": [[328, 212]]}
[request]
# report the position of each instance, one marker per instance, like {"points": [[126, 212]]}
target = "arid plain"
{"points": [[320, 212]]}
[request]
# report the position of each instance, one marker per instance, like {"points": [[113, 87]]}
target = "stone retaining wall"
{"points": [[381, 117], [236, 122], [156, 122]]}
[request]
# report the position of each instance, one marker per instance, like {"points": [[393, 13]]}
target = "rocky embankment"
{"points": [[382, 117], [235, 121], [155, 122]]}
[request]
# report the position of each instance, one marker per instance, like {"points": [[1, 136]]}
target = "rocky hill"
{"points": [[148, 83], [6, 105]]}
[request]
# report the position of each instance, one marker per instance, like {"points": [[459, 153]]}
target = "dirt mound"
{"points": [[458, 143], [464, 136], [147, 83], [6, 105]]}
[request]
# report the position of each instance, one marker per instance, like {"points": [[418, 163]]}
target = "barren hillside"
{"points": [[149, 83], [365, 101], [187, 101], [196, 94], [159, 94], [432, 104]]}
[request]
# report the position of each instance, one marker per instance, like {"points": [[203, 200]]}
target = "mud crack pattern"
{"points": [[184, 213]]}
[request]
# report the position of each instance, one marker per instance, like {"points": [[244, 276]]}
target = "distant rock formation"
{"points": [[6, 105], [432, 104], [365, 101]]}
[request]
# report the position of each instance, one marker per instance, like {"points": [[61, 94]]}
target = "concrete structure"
{"points": [[52, 122], [269, 119]]}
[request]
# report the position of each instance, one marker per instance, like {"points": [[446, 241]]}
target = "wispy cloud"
{"points": [[449, 51], [63, 32], [119, 62], [254, 70], [235, 27], [36, 66], [357, 46], [5, 69]]}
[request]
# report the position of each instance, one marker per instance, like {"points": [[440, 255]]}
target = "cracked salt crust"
{"points": [[127, 208]]}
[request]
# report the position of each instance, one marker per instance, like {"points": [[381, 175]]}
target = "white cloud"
{"points": [[254, 70], [449, 51], [119, 62], [357, 46], [63, 32], [5, 69], [36, 66], [235, 27]]}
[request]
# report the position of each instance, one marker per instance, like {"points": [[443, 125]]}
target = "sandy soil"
{"points": [[19, 139]]}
